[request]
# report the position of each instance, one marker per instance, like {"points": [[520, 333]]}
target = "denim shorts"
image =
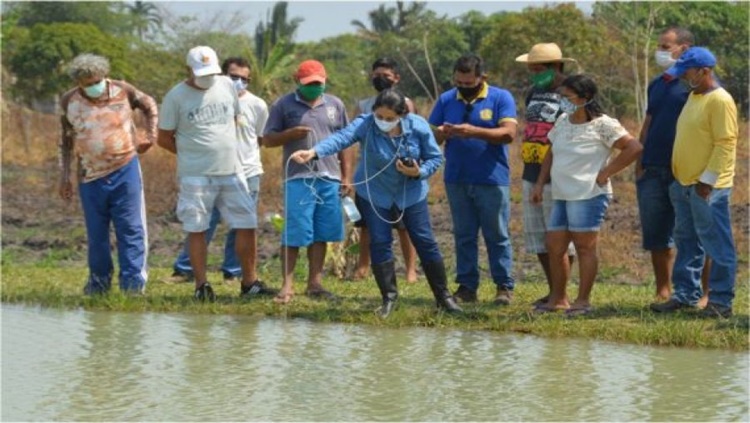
{"points": [[655, 208], [313, 212], [535, 217], [578, 215], [200, 194]]}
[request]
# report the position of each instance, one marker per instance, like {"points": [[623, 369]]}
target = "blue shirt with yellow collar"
{"points": [[473, 160]]}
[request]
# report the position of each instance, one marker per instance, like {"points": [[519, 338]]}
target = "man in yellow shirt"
{"points": [[703, 161]]}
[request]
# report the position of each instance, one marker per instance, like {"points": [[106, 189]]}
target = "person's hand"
{"points": [[303, 156], [602, 178], [66, 189], [298, 132], [346, 189], [410, 171], [463, 130], [537, 194], [703, 190]]}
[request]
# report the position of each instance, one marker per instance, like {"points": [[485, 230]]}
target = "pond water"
{"points": [[95, 366]]}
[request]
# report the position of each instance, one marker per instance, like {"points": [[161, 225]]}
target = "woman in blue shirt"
{"points": [[398, 154]]}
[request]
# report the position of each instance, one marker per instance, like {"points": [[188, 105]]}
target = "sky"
{"points": [[324, 19]]}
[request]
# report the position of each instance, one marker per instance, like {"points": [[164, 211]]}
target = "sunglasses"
{"points": [[467, 111], [237, 77]]}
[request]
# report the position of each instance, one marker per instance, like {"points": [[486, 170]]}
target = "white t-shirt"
{"points": [[579, 152], [250, 124], [204, 122]]}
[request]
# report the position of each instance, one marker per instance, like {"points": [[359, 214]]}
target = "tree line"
{"points": [[147, 45]]}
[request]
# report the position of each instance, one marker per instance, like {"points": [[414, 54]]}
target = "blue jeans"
{"points": [[655, 208], [231, 265], [486, 207], [417, 222], [703, 227], [116, 199]]}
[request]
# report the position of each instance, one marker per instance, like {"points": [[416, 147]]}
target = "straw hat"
{"points": [[544, 53]]}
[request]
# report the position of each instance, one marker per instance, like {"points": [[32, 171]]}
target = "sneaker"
{"points": [[669, 306], [255, 289], [503, 297], [179, 277], [465, 295], [205, 292], [714, 310]]}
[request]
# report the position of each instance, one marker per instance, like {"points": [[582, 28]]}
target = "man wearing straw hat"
{"points": [[545, 63]]}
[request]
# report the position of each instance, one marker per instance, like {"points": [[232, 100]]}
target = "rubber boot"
{"points": [[435, 273], [385, 276]]}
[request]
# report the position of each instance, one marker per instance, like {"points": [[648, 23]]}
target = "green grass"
{"points": [[621, 310]]}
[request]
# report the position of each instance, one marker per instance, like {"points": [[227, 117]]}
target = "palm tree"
{"points": [[276, 30], [145, 17], [391, 19]]}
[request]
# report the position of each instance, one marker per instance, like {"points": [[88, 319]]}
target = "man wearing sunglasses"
{"points": [[477, 121]]}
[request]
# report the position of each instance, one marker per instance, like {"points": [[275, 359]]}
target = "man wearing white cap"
{"points": [[545, 63], [197, 123]]}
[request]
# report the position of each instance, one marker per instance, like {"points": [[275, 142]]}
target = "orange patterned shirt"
{"points": [[102, 132]]}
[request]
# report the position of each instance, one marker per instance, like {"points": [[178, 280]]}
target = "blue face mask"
{"points": [[96, 90], [239, 85], [568, 107]]}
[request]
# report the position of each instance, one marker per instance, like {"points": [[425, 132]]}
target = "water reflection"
{"points": [[75, 365]]}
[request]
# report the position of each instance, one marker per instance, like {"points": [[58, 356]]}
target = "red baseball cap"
{"points": [[311, 71]]}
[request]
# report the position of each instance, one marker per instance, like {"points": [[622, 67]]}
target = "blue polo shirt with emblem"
{"points": [[472, 160], [327, 117], [666, 97]]}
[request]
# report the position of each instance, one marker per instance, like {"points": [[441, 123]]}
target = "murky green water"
{"points": [[76, 365]]}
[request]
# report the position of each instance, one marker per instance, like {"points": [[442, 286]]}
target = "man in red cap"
{"points": [[298, 121]]}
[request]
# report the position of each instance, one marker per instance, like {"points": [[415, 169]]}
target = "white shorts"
{"points": [[200, 194], [535, 218]]}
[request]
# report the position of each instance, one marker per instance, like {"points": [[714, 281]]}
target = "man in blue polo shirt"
{"points": [[477, 121], [298, 121], [666, 98]]}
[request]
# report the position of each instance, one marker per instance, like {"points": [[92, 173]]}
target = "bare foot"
{"points": [[360, 273], [411, 276], [703, 301], [283, 297]]}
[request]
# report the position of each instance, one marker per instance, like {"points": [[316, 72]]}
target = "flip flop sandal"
{"points": [[544, 309], [321, 294], [578, 311]]}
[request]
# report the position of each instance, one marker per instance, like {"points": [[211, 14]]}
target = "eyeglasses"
{"points": [[467, 111], [238, 77]]}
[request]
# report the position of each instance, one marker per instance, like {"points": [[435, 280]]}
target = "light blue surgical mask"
{"points": [[568, 107], [239, 85], [96, 90]]}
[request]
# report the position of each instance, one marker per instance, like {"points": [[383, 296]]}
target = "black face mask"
{"points": [[381, 83], [469, 92]]}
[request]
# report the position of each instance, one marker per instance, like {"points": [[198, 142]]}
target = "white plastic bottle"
{"points": [[350, 209]]}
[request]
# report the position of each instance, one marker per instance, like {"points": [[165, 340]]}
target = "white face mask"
{"points": [[386, 126], [204, 82], [664, 58]]}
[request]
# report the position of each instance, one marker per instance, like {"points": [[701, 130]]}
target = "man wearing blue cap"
{"points": [[703, 162], [666, 98]]}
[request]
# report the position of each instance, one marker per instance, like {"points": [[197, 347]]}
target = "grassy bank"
{"points": [[621, 310]]}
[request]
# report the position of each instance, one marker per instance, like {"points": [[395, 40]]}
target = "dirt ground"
{"points": [[38, 227]]}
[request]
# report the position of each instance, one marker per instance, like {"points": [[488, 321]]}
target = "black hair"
{"points": [[237, 61], [469, 63], [684, 36], [386, 62], [585, 87], [393, 100]]}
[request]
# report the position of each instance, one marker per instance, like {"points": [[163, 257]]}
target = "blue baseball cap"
{"points": [[694, 57]]}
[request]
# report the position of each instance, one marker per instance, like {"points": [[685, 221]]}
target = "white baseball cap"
{"points": [[203, 61]]}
